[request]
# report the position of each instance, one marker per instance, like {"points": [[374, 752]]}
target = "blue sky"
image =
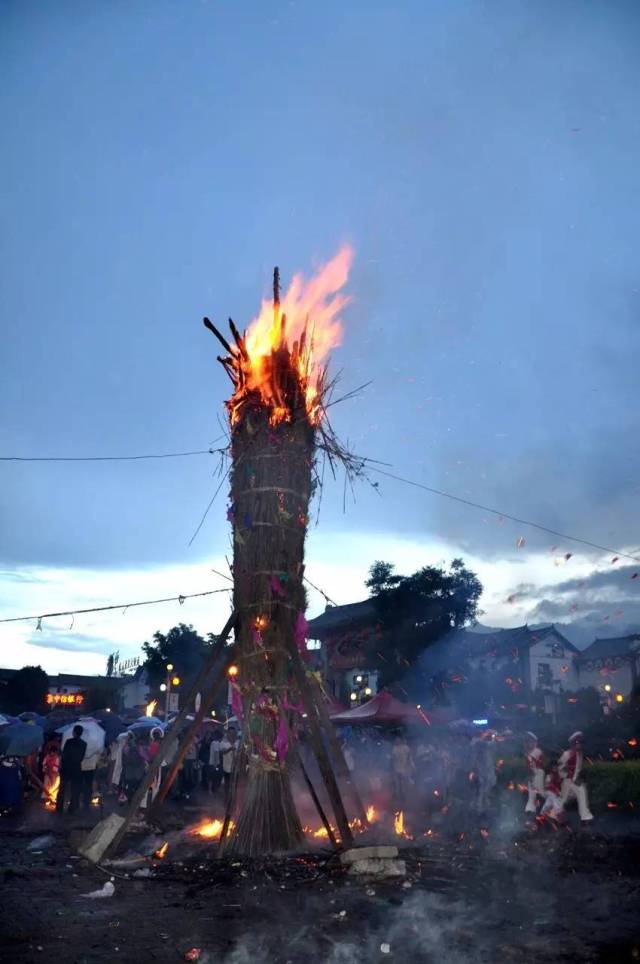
{"points": [[483, 159]]}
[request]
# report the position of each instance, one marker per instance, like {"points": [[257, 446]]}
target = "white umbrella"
{"points": [[92, 734]]}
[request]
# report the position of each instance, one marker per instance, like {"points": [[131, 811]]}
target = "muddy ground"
{"points": [[514, 895]]}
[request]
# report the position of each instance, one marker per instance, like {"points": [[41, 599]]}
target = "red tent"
{"points": [[385, 708]]}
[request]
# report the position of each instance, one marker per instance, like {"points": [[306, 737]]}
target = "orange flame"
{"points": [[372, 816], [398, 826], [306, 323], [50, 802], [161, 852], [151, 708], [211, 829]]}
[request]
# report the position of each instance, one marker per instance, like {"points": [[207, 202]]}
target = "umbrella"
{"points": [[30, 717], [110, 723], [92, 734], [58, 718], [145, 723], [20, 739]]}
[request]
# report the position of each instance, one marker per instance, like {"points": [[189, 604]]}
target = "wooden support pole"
{"points": [[231, 793], [171, 737], [206, 702], [341, 764], [295, 752], [318, 747]]}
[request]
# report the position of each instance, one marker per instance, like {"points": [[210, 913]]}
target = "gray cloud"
{"points": [[71, 642]]}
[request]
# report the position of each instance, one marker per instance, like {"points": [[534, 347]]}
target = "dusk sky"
{"points": [[483, 161]]}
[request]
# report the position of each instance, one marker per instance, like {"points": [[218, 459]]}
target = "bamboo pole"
{"points": [[206, 702], [341, 764], [168, 743], [294, 750], [318, 747]]}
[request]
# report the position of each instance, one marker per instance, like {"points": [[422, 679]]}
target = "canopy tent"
{"points": [[385, 708], [333, 705]]}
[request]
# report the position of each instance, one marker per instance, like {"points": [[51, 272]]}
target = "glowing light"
{"points": [[619, 698], [632, 742], [175, 681], [211, 829], [307, 324], [151, 708], [607, 687], [161, 852], [163, 687], [66, 699], [372, 816], [353, 697], [398, 826], [50, 802], [169, 667], [367, 691], [233, 671]]}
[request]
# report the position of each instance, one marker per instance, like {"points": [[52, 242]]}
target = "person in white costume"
{"points": [[570, 769], [535, 771]]}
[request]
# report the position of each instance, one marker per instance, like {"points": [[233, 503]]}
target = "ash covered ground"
{"points": [[514, 894]]}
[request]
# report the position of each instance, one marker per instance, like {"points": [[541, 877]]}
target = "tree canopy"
{"points": [[414, 611], [27, 690], [182, 646]]}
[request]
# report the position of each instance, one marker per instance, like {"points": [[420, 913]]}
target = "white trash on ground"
{"points": [[107, 891]]}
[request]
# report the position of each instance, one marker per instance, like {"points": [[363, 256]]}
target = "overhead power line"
{"points": [[371, 467], [109, 458], [505, 515], [123, 606], [306, 579]]}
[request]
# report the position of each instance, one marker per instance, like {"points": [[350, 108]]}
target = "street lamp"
{"points": [[166, 688]]}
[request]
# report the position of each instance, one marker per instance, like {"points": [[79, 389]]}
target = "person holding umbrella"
{"points": [[71, 777]]}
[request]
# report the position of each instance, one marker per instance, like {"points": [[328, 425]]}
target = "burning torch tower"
{"points": [[276, 414]]}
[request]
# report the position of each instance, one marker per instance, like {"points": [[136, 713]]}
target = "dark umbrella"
{"points": [[20, 739], [58, 718], [147, 723], [110, 723]]}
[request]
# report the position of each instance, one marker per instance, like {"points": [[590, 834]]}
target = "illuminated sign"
{"points": [[66, 699], [122, 666]]}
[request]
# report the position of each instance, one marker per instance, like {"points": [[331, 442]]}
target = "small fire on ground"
{"points": [[398, 826], [50, 802], [211, 829]]}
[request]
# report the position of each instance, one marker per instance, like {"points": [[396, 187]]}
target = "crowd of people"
{"points": [[73, 769], [453, 770], [459, 770]]}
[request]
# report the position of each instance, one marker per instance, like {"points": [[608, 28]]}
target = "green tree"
{"points": [[27, 690], [415, 611], [182, 646]]}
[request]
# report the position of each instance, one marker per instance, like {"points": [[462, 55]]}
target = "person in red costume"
{"points": [[570, 769]]}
